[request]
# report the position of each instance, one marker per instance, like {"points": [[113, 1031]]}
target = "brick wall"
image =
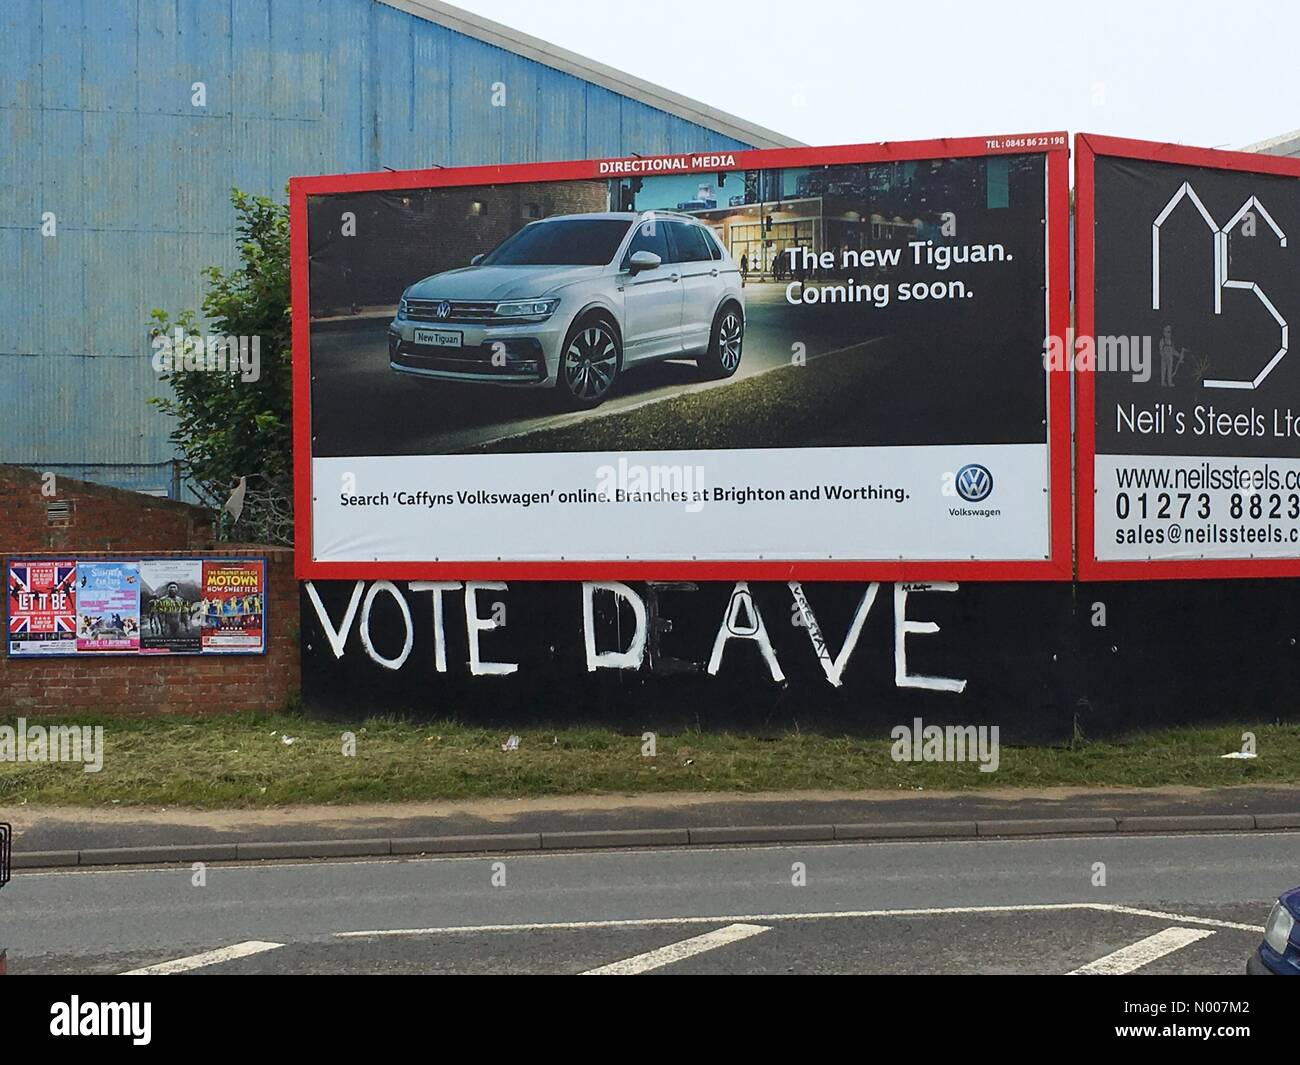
{"points": [[110, 523], [98, 519]]}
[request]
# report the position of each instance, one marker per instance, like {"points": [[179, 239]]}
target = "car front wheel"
{"points": [[725, 344], [589, 364]]}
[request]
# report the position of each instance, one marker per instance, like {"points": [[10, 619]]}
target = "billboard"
{"points": [[813, 363], [1189, 396], [150, 606]]}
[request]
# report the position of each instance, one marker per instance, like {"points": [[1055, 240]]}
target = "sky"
{"points": [[1218, 75]]}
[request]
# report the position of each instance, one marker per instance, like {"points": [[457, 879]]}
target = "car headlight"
{"points": [[401, 307], [533, 309], [1277, 933]]}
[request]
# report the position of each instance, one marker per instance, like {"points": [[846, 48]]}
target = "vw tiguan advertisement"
{"points": [[685, 358]]}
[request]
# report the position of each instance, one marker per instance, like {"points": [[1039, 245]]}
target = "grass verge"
{"points": [[243, 761]]}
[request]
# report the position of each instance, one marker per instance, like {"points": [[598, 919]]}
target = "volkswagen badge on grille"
{"points": [[444, 309]]}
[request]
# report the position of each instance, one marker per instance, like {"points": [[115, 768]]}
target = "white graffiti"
{"points": [[741, 604], [475, 625], [833, 667], [753, 629], [439, 632], [902, 627], [632, 657], [391, 589], [741, 620]]}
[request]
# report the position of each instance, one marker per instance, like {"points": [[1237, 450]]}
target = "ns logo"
{"points": [[1219, 236]]}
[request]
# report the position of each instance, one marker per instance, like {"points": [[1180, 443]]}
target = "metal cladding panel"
{"points": [[144, 271], [645, 130], [21, 311], [517, 125], [251, 43], [60, 274], [165, 77], [200, 168], [431, 93], [110, 142], [87, 409], [279, 54], [115, 328], [110, 56], [98, 125], [284, 148], [298, 57], [482, 133], [345, 136], [60, 52], [62, 171], [20, 53], [20, 143], [604, 122], [393, 69], [559, 98]]}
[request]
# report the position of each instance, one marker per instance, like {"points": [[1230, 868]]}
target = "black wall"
{"points": [[1034, 662]]}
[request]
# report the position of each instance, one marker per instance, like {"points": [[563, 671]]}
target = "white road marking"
{"points": [[687, 948], [1143, 952], [211, 957], [825, 915], [1182, 918]]}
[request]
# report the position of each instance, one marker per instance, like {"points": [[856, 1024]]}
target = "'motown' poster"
{"points": [[232, 606], [108, 606], [42, 615]]}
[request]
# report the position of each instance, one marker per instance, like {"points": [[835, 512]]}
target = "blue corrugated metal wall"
{"points": [[97, 127]]}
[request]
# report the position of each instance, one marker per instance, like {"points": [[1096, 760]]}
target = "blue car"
{"points": [[1279, 954]]}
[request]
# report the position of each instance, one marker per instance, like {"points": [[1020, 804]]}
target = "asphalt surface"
{"points": [[1178, 904], [361, 407]]}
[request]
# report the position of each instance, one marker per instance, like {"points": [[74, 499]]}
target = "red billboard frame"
{"points": [[1057, 566], [1087, 147]]}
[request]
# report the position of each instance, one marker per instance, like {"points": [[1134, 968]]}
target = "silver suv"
{"points": [[571, 301]]}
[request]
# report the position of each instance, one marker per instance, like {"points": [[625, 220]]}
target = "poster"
{"points": [[1194, 455], [232, 606], [158, 606], [689, 361], [42, 607], [171, 614], [108, 606]]}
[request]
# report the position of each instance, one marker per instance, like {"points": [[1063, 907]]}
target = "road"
{"points": [[361, 407], [1170, 904]]}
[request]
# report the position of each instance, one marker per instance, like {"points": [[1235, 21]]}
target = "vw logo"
{"points": [[974, 483], [444, 309]]}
